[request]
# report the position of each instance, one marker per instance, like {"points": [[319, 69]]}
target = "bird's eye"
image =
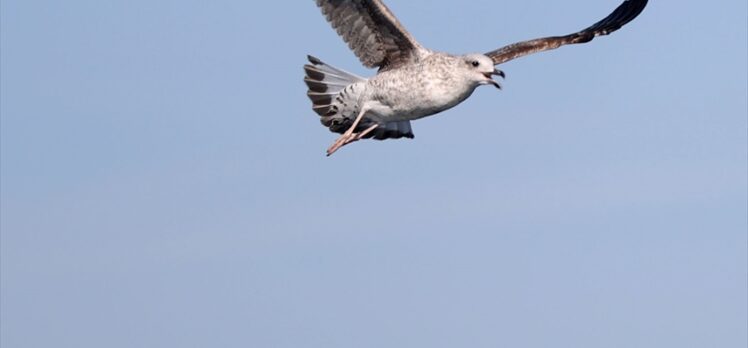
{"points": [[475, 63]]}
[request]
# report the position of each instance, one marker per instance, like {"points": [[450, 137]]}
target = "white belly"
{"points": [[413, 97]]}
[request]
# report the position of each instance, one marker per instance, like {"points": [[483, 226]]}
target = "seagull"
{"points": [[412, 81]]}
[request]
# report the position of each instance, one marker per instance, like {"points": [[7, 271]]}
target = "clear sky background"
{"points": [[164, 182]]}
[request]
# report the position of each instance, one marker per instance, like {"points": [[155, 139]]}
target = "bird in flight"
{"points": [[412, 81]]}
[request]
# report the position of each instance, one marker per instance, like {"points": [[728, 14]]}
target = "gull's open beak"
{"points": [[495, 72]]}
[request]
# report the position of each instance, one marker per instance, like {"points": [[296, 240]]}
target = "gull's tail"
{"points": [[335, 93], [325, 84]]}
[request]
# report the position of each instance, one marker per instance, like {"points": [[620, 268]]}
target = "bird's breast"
{"points": [[409, 95]]}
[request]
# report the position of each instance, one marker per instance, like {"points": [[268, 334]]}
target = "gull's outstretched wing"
{"points": [[622, 15], [372, 32]]}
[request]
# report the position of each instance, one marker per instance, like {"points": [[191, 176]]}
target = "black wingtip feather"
{"points": [[622, 15]]}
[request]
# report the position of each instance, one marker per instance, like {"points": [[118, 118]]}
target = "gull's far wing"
{"points": [[626, 12], [372, 32]]}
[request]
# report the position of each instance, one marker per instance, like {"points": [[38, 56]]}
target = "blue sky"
{"points": [[164, 182]]}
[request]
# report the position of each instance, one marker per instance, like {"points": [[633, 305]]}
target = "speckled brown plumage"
{"points": [[372, 32]]}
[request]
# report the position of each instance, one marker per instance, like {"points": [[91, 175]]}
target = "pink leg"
{"points": [[361, 135], [349, 137]]}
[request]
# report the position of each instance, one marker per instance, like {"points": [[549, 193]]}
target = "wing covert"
{"points": [[372, 32], [623, 14]]}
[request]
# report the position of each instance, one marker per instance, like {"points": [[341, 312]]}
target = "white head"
{"points": [[481, 69]]}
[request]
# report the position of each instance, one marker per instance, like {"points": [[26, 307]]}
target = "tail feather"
{"points": [[325, 86], [326, 82], [323, 68], [329, 76], [392, 130]]}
